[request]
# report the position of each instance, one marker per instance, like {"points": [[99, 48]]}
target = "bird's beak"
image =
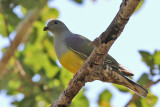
{"points": [[46, 28]]}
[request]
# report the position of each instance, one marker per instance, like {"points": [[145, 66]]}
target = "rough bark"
{"points": [[93, 67]]}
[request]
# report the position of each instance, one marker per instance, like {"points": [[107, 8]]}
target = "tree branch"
{"points": [[93, 67], [23, 31], [22, 72]]}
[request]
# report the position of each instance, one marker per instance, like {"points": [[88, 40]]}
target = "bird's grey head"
{"points": [[56, 26]]}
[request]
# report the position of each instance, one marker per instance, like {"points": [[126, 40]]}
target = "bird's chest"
{"points": [[68, 59], [71, 61]]}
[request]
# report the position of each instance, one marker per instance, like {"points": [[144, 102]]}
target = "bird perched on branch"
{"points": [[72, 50]]}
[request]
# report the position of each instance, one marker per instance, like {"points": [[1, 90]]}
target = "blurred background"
{"points": [[30, 74]]}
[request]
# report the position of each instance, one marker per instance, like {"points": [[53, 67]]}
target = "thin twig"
{"points": [[22, 72]]}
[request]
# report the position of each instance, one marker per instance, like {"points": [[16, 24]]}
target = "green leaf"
{"points": [[14, 84], [30, 4], [139, 6], [144, 79], [2, 26], [80, 100], [49, 13], [147, 58], [104, 99], [150, 101], [121, 88], [10, 17], [65, 76], [40, 60], [23, 10], [157, 57], [78, 1], [28, 101], [138, 102], [50, 49]]}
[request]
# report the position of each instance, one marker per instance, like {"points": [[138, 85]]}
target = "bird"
{"points": [[73, 49]]}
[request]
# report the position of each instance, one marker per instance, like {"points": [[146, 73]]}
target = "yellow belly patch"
{"points": [[71, 61]]}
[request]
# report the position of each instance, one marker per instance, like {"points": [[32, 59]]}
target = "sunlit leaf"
{"points": [[49, 13], [104, 99], [23, 10], [138, 102], [14, 84], [147, 58], [150, 101], [157, 57], [144, 79], [50, 49], [80, 100], [2, 26], [140, 5], [65, 76], [40, 60], [121, 88]]}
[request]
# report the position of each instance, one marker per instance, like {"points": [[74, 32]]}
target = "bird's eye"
{"points": [[55, 22]]}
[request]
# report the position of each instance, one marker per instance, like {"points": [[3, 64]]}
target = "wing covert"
{"points": [[79, 44]]}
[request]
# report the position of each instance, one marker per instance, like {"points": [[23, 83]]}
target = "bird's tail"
{"points": [[120, 78], [138, 89]]}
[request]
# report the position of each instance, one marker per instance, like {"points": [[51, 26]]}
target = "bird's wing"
{"points": [[80, 45]]}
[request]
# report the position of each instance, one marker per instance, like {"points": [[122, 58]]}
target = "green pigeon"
{"points": [[72, 50]]}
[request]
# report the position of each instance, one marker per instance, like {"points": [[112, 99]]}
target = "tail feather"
{"points": [[125, 70], [121, 79], [138, 89]]}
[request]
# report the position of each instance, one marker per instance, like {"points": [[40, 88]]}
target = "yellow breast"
{"points": [[71, 61]]}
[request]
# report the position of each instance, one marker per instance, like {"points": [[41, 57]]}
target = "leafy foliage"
{"points": [[80, 100], [36, 58], [152, 61], [121, 88], [150, 101], [147, 58], [104, 99], [78, 1]]}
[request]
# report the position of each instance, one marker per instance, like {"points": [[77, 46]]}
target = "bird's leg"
{"points": [[69, 82], [75, 74], [72, 79]]}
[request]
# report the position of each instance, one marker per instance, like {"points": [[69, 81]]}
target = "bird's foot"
{"points": [[70, 82], [72, 79]]}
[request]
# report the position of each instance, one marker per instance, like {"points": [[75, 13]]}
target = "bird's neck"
{"points": [[62, 33], [59, 43]]}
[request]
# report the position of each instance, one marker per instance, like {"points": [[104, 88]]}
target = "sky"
{"points": [[90, 19]]}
